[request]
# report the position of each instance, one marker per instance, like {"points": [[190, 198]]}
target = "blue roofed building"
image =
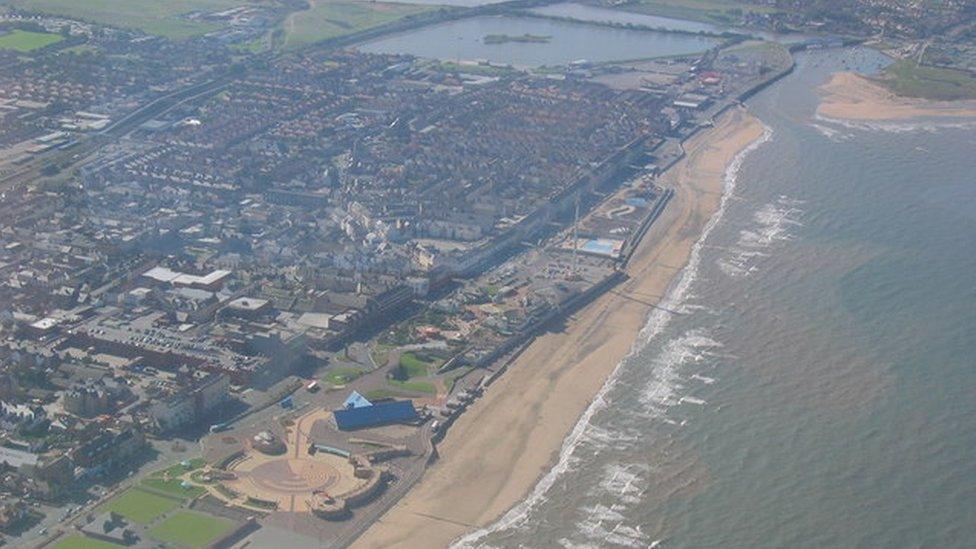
{"points": [[356, 400], [382, 413]]}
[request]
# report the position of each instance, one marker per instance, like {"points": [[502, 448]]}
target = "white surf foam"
{"points": [[772, 223], [832, 134], [624, 481], [656, 322], [704, 379], [916, 125], [600, 438], [606, 524], [664, 388], [688, 308], [569, 544]]}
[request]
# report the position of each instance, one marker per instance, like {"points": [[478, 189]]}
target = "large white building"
{"points": [[191, 404]]}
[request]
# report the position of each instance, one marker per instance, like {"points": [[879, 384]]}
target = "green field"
{"points": [[379, 394], [140, 506], [909, 79], [173, 487], [409, 373], [331, 19], [178, 469], [709, 11], [191, 529], [81, 542], [26, 41], [168, 480], [342, 375], [159, 17], [486, 70], [415, 386], [413, 366], [80, 49], [253, 46]]}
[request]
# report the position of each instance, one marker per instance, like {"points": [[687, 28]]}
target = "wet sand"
{"points": [[497, 451], [851, 96]]}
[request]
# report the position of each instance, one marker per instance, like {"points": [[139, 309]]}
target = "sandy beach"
{"points": [[498, 450], [851, 96]]}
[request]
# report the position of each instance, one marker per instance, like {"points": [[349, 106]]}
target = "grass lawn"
{"points": [[470, 68], [80, 49], [159, 17], [907, 78], [261, 503], [172, 487], [26, 41], [709, 11], [256, 45], [227, 492], [413, 366], [178, 469], [191, 529], [82, 542], [415, 386], [379, 394], [197, 476], [331, 19], [341, 376], [140, 506]]}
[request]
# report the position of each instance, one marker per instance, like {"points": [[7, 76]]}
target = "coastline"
{"points": [[851, 96], [511, 437]]}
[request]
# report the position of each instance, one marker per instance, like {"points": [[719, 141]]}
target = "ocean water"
{"points": [[817, 388]]}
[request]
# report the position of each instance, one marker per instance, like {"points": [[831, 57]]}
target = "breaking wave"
{"points": [[662, 391], [606, 525], [918, 125], [772, 224], [624, 481], [832, 134], [597, 527]]}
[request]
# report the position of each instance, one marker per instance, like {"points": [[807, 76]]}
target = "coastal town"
{"points": [[250, 278]]}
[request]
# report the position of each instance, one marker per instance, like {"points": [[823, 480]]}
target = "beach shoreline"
{"points": [[496, 453], [850, 96]]}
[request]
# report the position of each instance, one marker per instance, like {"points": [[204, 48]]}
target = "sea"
{"points": [[810, 379]]}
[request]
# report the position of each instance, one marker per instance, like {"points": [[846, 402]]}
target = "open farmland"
{"points": [[150, 16], [326, 20], [26, 41]]}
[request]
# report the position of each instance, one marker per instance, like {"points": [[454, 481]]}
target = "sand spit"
{"points": [[853, 97]]}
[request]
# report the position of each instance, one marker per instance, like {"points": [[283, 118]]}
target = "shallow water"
{"points": [[570, 41]]}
